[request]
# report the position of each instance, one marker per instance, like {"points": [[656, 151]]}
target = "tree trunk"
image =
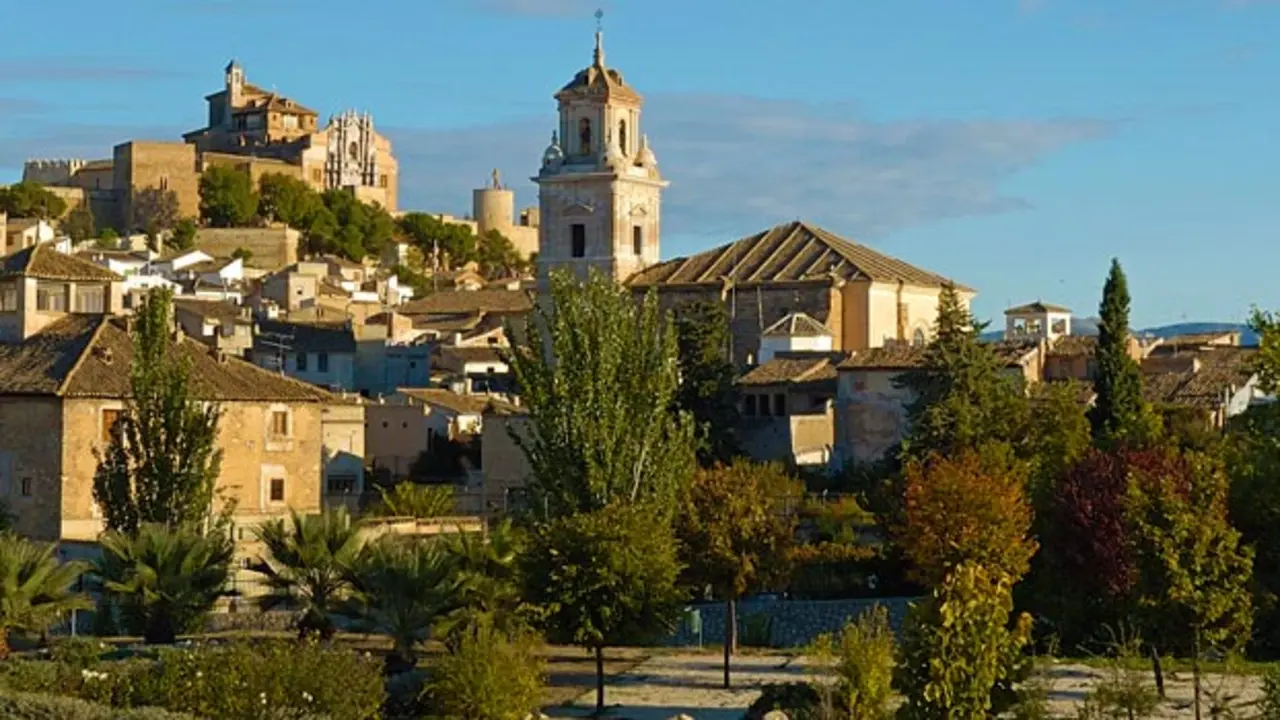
{"points": [[1157, 671], [1195, 669], [599, 679], [730, 634], [4, 643]]}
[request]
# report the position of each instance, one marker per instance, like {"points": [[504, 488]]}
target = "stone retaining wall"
{"points": [[787, 623]]}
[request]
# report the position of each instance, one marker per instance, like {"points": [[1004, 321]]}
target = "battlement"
{"points": [[51, 172]]}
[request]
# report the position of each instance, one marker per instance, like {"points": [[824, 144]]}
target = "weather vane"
{"points": [[599, 20]]}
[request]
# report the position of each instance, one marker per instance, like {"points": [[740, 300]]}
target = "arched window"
{"points": [[917, 338], [584, 136], [622, 136]]}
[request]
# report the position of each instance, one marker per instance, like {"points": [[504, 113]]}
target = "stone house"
{"points": [[1207, 376], [62, 388], [220, 325], [39, 286], [786, 411], [865, 298], [406, 425]]}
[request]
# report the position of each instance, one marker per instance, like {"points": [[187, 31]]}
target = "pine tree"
{"points": [[961, 396], [163, 459], [1120, 416]]}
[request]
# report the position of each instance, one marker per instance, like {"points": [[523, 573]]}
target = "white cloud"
{"points": [[741, 163]]}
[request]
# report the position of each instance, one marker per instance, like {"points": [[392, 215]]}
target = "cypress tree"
{"points": [[1120, 416]]}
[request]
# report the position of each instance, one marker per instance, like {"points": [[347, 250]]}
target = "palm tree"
{"points": [[489, 582], [410, 499], [307, 565], [35, 589], [401, 587], [165, 579]]}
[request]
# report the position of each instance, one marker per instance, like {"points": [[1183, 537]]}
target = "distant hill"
{"points": [[1089, 326]]}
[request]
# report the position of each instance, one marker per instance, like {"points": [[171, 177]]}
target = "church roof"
{"points": [[596, 79], [797, 324], [792, 252]]}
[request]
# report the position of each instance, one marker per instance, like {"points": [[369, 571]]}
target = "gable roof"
{"points": [[779, 370], [458, 302], [1216, 373], [462, 404], [43, 262], [889, 357], [797, 324], [90, 356], [1036, 307], [313, 336], [792, 252], [218, 310]]}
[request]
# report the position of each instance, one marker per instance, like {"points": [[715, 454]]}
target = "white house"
{"points": [[323, 354], [21, 233], [797, 332], [1037, 320]]}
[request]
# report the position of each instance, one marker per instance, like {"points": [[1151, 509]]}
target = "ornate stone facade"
{"points": [[600, 191]]}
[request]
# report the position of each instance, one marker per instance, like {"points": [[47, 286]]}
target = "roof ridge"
{"points": [[84, 353]]}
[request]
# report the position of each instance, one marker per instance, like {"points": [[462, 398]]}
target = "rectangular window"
{"points": [[765, 408], [290, 122], [340, 484], [26, 487], [749, 405], [382, 181], [9, 297], [579, 240], [51, 297], [302, 362], [280, 423], [110, 416], [277, 490], [780, 405], [91, 299], [322, 362], [637, 240]]}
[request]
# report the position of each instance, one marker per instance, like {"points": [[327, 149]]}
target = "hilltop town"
{"points": [[357, 349]]}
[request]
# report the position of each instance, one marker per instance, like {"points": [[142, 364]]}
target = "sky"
{"points": [[1013, 145]]}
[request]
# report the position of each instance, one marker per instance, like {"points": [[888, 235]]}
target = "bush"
{"points": [[862, 657], [28, 706], [800, 701], [486, 677], [77, 652]]}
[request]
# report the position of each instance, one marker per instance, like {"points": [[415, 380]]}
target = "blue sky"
{"points": [[1013, 145]]}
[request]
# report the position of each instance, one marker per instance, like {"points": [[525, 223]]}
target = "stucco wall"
{"points": [[31, 447], [870, 415]]}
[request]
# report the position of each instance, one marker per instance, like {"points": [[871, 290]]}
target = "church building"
{"points": [[600, 199]]}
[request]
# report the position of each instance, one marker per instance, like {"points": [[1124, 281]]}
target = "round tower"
{"points": [[494, 207]]}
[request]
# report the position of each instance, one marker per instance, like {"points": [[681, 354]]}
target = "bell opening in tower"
{"points": [[584, 136]]}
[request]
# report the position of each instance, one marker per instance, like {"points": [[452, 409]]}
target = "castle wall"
{"points": [[168, 165], [272, 248]]}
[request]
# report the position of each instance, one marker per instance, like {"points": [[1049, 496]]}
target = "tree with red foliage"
{"points": [[970, 508], [1089, 549]]}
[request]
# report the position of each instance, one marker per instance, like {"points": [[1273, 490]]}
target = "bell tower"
{"points": [[599, 188]]}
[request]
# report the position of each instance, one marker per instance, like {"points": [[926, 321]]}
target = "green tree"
{"points": [[861, 659], [288, 200], [184, 234], [605, 578], [108, 239], [227, 198], [1120, 416], [31, 200], [152, 211], [361, 229], [1253, 460], [490, 583], [402, 588], [162, 462], [957, 645], [164, 580], [242, 253], [439, 240], [78, 224], [415, 500], [599, 376], [707, 391], [35, 589], [498, 257], [488, 675], [961, 395], [307, 565], [736, 534], [1194, 574]]}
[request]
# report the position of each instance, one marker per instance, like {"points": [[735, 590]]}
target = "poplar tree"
{"points": [[1120, 416], [706, 391], [162, 462]]}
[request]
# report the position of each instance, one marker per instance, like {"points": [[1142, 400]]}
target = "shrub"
{"points": [[28, 706], [77, 652], [1122, 693], [487, 676], [800, 701], [862, 657], [1269, 703], [958, 646]]}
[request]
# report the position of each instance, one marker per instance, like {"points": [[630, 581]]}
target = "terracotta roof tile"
{"points": [[890, 357], [790, 370], [455, 302], [1220, 372], [1074, 345], [210, 309], [792, 252], [90, 356], [44, 262], [470, 404]]}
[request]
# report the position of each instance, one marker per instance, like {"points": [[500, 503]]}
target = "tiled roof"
{"points": [[597, 78], [792, 252], [780, 370], [890, 357], [478, 354], [210, 309], [469, 404], [90, 356], [797, 324], [1221, 371], [1036, 307], [333, 337], [456, 302], [1074, 345], [43, 262], [1013, 352]]}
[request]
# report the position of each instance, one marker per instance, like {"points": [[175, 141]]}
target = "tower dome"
{"points": [[554, 154], [646, 158]]}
